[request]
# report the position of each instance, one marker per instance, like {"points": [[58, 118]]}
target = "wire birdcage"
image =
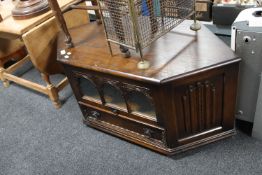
{"points": [[135, 24]]}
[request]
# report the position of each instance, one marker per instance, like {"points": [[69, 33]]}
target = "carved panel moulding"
{"points": [[199, 107]]}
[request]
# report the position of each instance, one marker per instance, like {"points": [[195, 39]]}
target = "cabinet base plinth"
{"points": [[154, 145]]}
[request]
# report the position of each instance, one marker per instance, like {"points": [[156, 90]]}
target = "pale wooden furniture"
{"points": [[54, 5], [11, 49], [10, 27], [39, 37]]}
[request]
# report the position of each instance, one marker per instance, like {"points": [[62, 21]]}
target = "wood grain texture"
{"points": [[43, 54], [191, 84], [169, 59], [11, 49], [200, 105], [8, 47]]}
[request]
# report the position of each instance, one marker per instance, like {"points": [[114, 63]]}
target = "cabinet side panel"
{"points": [[199, 106], [230, 92], [165, 110]]}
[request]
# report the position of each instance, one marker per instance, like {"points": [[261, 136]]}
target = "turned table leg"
{"points": [[52, 91]]}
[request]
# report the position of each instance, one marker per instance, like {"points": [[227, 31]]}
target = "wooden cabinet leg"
{"points": [[52, 91], [5, 81]]}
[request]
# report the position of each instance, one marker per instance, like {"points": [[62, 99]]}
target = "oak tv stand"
{"points": [[184, 100]]}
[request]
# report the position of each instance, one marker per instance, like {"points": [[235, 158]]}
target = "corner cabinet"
{"points": [[188, 102]]}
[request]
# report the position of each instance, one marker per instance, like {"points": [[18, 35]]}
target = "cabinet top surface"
{"points": [[175, 55]]}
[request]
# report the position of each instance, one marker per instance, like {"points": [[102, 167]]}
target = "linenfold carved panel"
{"points": [[199, 106]]}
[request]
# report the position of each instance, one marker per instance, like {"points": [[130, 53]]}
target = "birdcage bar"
{"points": [[168, 30], [117, 42], [105, 31], [135, 24], [136, 34]]}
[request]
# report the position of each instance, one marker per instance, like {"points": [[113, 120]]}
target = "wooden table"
{"points": [[13, 29], [184, 100], [10, 28]]}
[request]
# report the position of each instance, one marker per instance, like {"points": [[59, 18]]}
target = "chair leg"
{"points": [[52, 91], [6, 83]]}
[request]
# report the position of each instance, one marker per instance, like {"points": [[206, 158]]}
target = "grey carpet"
{"points": [[36, 139]]}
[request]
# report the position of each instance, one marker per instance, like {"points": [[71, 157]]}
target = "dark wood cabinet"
{"points": [[184, 100]]}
